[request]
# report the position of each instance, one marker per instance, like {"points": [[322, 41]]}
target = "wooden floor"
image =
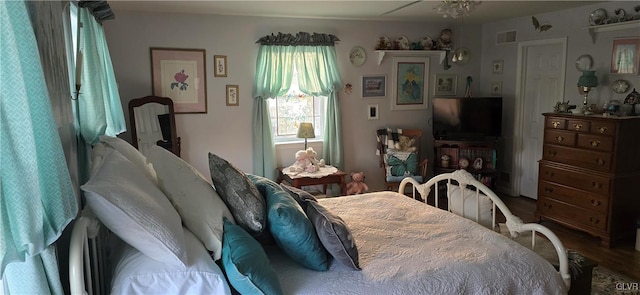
{"points": [[623, 259]]}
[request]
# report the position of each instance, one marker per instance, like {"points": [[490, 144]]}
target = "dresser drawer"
{"points": [[555, 123], [573, 196], [571, 214], [588, 182], [600, 161], [560, 137], [595, 142], [578, 125], [604, 128]]}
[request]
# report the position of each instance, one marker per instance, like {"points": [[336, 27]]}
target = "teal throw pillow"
{"points": [[290, 227], [246, 264], [403, 164]]}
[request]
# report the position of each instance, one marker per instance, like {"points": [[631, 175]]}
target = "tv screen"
{"points": [[467, 117]]}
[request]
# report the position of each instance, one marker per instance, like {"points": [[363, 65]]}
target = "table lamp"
{"points": [[587, 81], [306, 131]]}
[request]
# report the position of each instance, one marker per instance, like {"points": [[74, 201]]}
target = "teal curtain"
{"points": [[314, 57], [100, 110], [274, 71], [37, 200], [318, 75]]}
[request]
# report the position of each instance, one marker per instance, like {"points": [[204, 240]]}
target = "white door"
{"points": [[542, 72]]}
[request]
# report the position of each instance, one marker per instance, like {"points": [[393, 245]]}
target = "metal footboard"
{"points": [[515, 225], [87, 256]]}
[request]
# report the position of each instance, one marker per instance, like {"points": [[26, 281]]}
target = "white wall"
{"points": [[567, 23], [226, 131]]}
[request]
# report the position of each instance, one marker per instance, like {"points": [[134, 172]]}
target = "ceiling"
{"points": [[350, 10]]}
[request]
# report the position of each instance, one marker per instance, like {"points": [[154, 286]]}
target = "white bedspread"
{"points": [[407, 247]]}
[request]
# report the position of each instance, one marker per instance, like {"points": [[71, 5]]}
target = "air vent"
{"points": [[506, 37]]}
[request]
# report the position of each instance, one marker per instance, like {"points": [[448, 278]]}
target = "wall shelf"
{"points": [[382, 53], [612, 27]]}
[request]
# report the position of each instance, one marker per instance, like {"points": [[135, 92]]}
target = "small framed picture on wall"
{"points": [[232, 95], [497, 67], [220, 65], [496, 88], [372, 111]]}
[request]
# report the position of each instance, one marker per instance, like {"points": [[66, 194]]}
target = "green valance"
{"points": [[299, 39]]}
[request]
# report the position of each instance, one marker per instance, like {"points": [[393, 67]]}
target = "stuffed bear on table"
{"points": [[306, 161]]}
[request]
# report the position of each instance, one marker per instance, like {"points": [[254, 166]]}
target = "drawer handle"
{"points": [[595, 203], [594, 220], [555, 124], [600, 162], [577, 126], [559, 138], [596, 184], [548, 189], [553, 153], [594, 143], [602, 129]]}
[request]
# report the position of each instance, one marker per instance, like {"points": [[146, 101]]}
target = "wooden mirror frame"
{"points": [[137, 102]]}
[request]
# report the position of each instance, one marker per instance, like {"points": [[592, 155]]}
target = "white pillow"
{"points": [[97, 154], [135, 273], [131, 153], [463, 203], [132, 207], [201, 208]]}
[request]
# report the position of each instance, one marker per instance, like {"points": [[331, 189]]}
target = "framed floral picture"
{"points": [[496, 66], [496, 88], [180, 75], [409, 83], [220, 65], [625, 57], [232, 95]]}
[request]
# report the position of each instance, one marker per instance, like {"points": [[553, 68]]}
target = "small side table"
{"points": [[337, 178]]}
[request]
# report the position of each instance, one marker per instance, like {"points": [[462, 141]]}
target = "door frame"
{"points": [[518, 124]]}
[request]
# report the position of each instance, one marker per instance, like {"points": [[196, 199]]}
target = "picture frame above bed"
{"points": [[179, 73]]}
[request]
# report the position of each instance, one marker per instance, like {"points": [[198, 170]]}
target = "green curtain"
{"points": [[314, 57], [318, 75], [100, 109], [37, 199]]}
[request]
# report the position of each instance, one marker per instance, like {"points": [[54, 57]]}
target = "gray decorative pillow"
{"points": [[299, 195], [241, 196], [334, 234]]}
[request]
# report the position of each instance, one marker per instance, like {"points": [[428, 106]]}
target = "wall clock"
{"points": [[357, 56], [584, 62]]}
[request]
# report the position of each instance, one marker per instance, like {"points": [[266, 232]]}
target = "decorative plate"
{"points": [[403, 43], [463, 163], [357, 56], [426, 43], [477, 164], [620, 86], [383, 43], [597, 17], [584, 62]]}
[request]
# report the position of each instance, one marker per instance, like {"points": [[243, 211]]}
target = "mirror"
{"points": [[153, 123]]}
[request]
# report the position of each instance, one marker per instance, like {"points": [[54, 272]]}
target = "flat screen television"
{"points": [[460, 118]]}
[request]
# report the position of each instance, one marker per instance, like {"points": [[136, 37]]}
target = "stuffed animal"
{"points": [[406, 144], [301, 163], [357, 185], [444, 42], [315, 163]]}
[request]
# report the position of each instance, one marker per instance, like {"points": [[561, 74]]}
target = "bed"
{"points": [[404, 246]]}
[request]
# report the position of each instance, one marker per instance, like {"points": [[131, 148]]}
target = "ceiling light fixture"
{"points": [[456, 8]]}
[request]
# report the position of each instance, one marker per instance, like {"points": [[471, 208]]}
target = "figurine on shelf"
{"points": [[445, 41]]}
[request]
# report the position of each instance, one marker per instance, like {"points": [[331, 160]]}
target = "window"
{"points": [[295, 107]]}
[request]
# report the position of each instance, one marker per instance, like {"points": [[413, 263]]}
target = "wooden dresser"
{"points": [[589, 176]]}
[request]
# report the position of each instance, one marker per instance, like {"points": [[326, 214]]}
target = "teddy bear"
{"points": [[406, 144], [444, 42], [357, 185], [301, 163]]}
